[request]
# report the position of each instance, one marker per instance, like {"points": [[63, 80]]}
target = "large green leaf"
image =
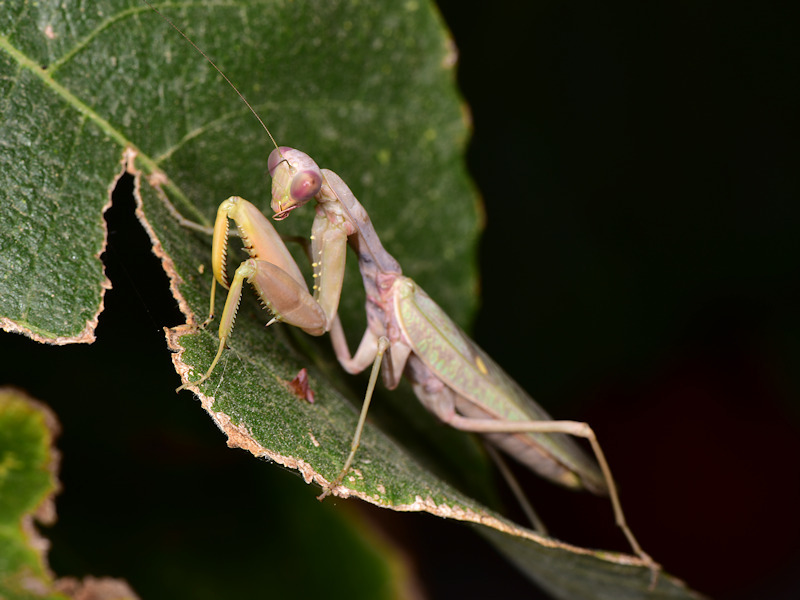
{"points": [[366, 89]]}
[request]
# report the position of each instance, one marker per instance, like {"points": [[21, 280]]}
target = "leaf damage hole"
{"points": [[140, 285]]}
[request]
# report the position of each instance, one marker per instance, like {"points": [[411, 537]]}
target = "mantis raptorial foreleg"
{"points": [[272, 272]]}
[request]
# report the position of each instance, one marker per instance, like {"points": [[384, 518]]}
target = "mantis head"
{"points": [[296, 179]]}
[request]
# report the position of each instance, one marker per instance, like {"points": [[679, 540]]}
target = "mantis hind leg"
{"points": [[577, 429], [516, 489]]}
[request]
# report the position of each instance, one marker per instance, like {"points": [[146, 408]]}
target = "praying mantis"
{"points": [[406, 330], [450, 374]]}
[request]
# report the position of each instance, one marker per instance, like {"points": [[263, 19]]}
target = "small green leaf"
{"points": [[27, 484]]}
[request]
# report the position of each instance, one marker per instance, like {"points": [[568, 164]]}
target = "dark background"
{"points": [[639, 272], [638, 162]]}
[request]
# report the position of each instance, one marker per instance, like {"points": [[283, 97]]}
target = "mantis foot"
{"points": [[326, 491]]}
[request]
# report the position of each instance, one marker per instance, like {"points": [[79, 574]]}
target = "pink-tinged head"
{"points": [[296, 179]]}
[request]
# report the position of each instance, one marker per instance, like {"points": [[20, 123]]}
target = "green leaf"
{"points": [[28, 481], [367, 90]]}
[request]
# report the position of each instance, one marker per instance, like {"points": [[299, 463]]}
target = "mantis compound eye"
{"points": [[305, 185]]}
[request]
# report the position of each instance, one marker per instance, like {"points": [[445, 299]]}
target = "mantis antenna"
{"points": [[218, 70]]}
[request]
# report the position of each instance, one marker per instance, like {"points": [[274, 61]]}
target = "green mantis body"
{"points": [[450, 374]]}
